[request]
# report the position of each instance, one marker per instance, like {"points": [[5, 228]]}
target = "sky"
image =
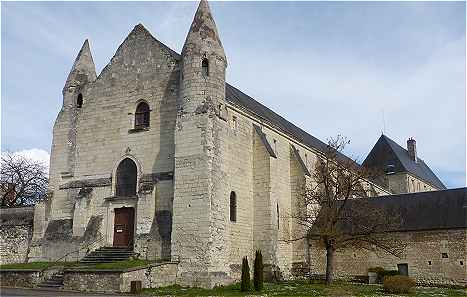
{"points": [[351, 68]]}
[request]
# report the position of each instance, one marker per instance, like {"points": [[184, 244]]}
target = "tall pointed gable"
{"points": [[138, 47], [83, 70], [387, 152], [203, 35]]}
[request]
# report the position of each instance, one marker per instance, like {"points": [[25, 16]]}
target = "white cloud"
{"points": [[38, 155]]}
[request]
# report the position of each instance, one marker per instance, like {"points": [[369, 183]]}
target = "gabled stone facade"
{"points": [[208, 174]]}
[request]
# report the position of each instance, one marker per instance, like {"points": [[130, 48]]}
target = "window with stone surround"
{"points": [[127, 173], [205, 67], [142, 115], [233, 207]]}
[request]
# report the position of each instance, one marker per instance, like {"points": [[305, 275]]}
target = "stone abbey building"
{"points": [[158, 153]]}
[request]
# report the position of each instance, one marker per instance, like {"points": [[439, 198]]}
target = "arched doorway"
{"points": [[127, 174]]}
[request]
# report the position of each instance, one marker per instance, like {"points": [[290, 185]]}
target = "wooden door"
{"points": [[123, 227]]}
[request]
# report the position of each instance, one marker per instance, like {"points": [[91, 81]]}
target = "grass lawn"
{"points": [[35, 265], [304, 289], [42, 265]]}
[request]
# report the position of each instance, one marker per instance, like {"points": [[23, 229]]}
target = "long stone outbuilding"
{"points": [[158, 153]]}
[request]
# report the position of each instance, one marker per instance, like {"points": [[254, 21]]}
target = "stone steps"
{"points": [[107, 254], [53, 282]]}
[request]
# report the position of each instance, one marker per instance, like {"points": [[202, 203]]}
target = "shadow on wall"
{"points": [[58, 239]]}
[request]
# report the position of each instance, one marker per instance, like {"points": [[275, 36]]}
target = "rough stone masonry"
{"points": [[159, 154]]}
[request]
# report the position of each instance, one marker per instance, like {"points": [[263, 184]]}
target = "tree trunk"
{"points": [[329, 264]]}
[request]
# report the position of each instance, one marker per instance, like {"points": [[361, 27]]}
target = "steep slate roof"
{"points": [[386, 151], [240, 99], [446, 209]]}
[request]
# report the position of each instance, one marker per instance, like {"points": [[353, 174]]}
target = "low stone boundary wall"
{"points": [[113, 281], [24, 278]]}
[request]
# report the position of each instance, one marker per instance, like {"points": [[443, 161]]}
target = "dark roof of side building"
{"points": [[435, 210], [386, 151]]}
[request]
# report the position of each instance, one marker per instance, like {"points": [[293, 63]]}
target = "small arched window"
{"points": [[233, 207], [205, 67], [79, 101], [127, 173], [142, 115]]}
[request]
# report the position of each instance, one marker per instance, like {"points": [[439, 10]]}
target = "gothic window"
{"points": [[126, 178], [79, 101], [233, 207], [205, 67], [142, 115]]}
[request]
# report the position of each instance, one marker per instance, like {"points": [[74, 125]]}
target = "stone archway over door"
{"points": [[124, 227]]}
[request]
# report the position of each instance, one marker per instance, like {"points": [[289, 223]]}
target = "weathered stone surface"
{"points": [[197, 151], [423, 253], [16, 227]]}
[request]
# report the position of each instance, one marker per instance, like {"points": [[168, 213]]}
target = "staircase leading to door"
{"points": [[107, 254], [53, 282]]}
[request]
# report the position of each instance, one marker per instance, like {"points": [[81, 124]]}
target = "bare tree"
{"points": [[335, 210], [23, 181]]}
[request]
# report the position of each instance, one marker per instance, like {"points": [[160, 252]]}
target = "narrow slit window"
{"points": [[142, 115], [278, 216], [205, 67], [233, 207], [79, 101]]}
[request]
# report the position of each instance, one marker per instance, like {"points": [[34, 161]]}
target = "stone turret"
{"points": [[83, 70], [200, 222], [82, 73], [203, 65]]}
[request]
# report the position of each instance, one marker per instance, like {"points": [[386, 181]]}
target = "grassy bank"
{"points": [[304, 289], [113, 265]]}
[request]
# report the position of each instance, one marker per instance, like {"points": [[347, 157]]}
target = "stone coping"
{"points": [[120, 270]]}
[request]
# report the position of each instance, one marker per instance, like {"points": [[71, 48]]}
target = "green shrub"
{"points": [[382, 273], [376, 269], [385, 273], [398, 284], [258, 271], [246, 282]]}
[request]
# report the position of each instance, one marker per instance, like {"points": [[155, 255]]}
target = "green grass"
{"points": [[304, 289], [113, 265], [36, 265]]}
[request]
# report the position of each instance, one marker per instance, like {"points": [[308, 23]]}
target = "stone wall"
{"points": [[433, 257], [16, 227], [112, 281], [404, 182], [20, 278], [103, 131]]}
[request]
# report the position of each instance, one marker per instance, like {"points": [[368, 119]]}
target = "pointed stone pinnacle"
{"points": [[203, 35], [83, 69]]}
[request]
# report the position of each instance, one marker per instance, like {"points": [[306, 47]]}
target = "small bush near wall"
{"points": [[398, 284], [382, 273]]}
